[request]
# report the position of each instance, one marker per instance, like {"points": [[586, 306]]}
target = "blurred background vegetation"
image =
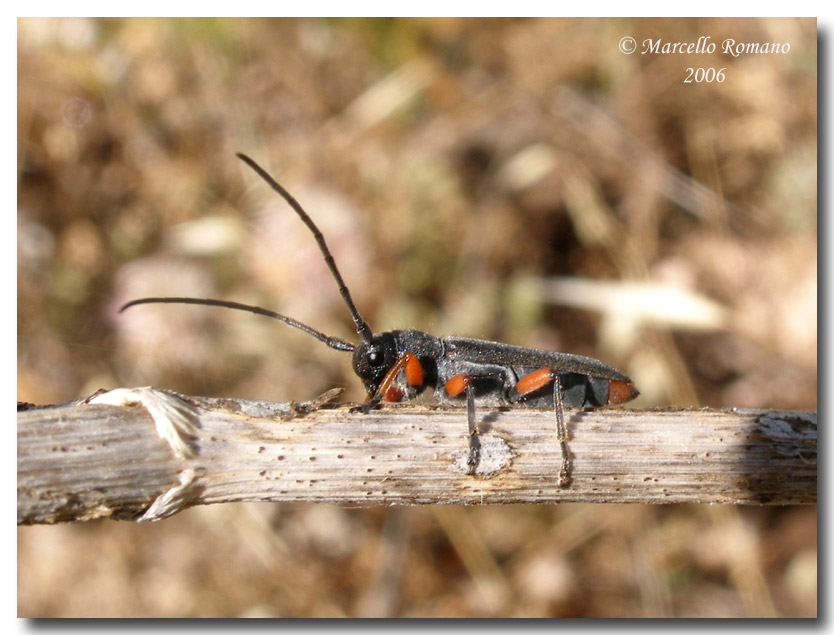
{"points": [[517, 180]]}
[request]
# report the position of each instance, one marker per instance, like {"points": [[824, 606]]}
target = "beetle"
{"points": [[399, 365]]}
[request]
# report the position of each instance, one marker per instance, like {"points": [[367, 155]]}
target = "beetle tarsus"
{"points": [[366, 407]]}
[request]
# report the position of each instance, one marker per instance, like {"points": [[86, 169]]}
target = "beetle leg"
{"points": [[366, 407], [387, 391], [455, 386], [561, 432], [620, 391], [474, 433], [534, 381], [413, 376]]}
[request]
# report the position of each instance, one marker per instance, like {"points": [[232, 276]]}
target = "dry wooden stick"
{"points": [[168, 452]]}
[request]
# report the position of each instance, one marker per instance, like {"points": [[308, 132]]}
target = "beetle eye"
{"points": [[375, 357]]}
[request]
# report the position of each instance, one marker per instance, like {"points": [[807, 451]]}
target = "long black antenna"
{"points": [[333, 342], [362, 327]]}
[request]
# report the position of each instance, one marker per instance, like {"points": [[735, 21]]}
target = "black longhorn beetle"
{"points": [[399, 365]]}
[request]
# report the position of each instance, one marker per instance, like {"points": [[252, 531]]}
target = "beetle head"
{"points": [[373, 360]]}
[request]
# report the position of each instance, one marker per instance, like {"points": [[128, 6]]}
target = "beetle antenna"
{"points": [[362, 327], [333, 342]]}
